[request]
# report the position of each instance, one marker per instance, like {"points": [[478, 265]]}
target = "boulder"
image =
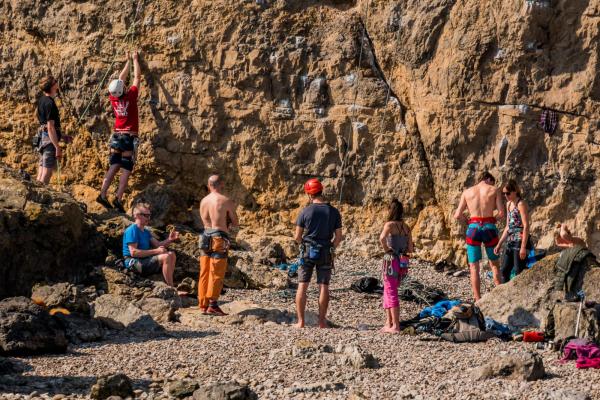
{"points": [[112, 385], [160, 310], [8, 366], [26, 328], [526, 366], [354, 356], [118, 313], [63, 295], [564, 321], [44, 236], [80, 328], [528, 299], [181, 388], [225, 391], [244, 271]]}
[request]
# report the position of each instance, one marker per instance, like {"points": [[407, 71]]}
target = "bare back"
{"points": [[218, 212], [482, 199]]}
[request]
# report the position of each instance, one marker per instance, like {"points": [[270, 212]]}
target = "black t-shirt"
{"points": [[319, 222], [47, 111]]}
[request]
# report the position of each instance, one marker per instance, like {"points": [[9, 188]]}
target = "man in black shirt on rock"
{"points": [[49, 119], [319, 231]]}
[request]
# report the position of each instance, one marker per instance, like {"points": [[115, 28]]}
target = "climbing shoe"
{"points": [[203, 310], [103, 201], [118, 205], [215, 310]]}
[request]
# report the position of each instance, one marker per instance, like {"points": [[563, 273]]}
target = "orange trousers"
{"points": [[212, 273]]}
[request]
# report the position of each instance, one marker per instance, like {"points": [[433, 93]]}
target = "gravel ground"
{"points": [[412, 367]]}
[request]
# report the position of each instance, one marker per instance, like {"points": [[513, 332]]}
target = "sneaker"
{"points": [[118, 205], [215, 310], [103, 201]]}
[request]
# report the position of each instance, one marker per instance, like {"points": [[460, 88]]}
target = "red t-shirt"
{"points": [[126, 111]]}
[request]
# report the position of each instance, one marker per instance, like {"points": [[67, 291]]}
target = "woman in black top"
{"points": [[49, 118]]}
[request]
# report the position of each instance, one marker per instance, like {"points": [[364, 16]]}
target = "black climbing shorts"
{"points": [[305, 273], [122, 142], [144, 266]]}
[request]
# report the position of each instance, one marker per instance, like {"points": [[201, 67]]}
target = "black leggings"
{"points": [[512, 260]]}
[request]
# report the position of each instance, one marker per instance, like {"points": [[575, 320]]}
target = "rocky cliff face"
{"points": [[380, 99]]}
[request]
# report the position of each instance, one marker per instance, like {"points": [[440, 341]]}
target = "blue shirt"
{"points": [[133, 234]]}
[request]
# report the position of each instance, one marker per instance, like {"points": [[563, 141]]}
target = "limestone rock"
{"points": [[44, 236], [225, 391], [254, 275], [181, 388], [112, 385], [80, 329], [528, 299], [118, 313], [160, 310], [356, 357], [564, 317], [441, 94], [526, 366], [63, 295], [26, 328]]}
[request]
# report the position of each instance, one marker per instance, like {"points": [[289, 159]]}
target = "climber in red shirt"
{"points": [[124, 139]]}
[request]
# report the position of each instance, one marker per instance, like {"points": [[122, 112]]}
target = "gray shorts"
{"points": [[305, 273], [48, 156], [144, 266]]}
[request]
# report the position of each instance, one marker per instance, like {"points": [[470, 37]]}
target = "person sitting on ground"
{"points": [[396, 240], [319, 232], [123, 144], [564, 238], [516, 232], [481, 201], [143, 254], [50, 131], [219, 218]]}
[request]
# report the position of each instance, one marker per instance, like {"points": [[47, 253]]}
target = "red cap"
{"points": [[313, 186]]}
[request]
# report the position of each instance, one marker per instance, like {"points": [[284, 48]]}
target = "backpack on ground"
{"points": [[366, 285], [468, 324]]}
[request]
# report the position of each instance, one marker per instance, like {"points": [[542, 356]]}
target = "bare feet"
{"points": [[389, 329], [299, 325], [323, 325]]}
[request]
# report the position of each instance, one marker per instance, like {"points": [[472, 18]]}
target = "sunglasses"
{"points": [[145, 215], [506, 193]]}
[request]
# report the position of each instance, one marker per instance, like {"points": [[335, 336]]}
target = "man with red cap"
{"points": [[319, 232]]}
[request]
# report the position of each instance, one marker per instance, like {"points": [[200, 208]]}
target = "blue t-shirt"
{"points": [[133, 234], [319, 222]]}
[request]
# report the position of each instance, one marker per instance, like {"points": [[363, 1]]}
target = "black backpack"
{"points": [[366, 285]]}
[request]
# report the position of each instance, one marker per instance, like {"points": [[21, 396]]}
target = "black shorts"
{"points": [[305, 273], [144, 266], [122, 142]]}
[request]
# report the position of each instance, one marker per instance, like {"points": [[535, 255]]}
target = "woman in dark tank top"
{"points": [[396, 241]]}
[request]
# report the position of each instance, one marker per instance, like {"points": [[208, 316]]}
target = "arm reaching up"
{"points": [[136, 70], [125, 70]]}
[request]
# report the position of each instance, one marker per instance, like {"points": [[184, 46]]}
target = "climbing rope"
{"points": [[58, 178], [356, 83], [128, 35]]}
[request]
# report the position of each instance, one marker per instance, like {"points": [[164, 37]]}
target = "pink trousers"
{"points": [[392, 277]]}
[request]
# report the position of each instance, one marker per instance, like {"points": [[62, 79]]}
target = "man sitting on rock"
{"points": [[319, 232], [219, 218], [144, 254], [481, 201]]}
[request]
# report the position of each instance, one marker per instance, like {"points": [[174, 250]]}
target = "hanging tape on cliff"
{"points": [[353, 115], [128, 35]]}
